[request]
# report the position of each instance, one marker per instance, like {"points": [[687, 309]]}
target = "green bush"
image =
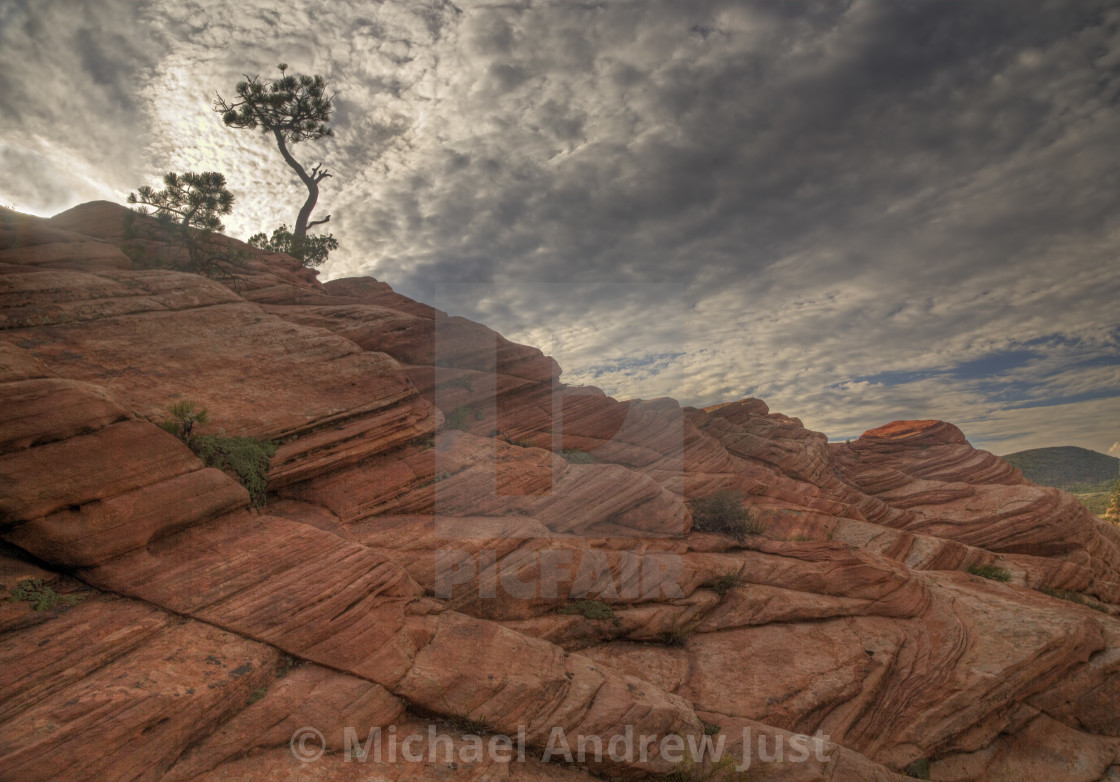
{"points": [[311, 250], [990, 571], [41, 596], [723, 583], [1073, 597], [723, 512], [677, 635], [184, 415], [588, 609], [459, 418], [468, 726], [248, 457], [576, 456], [919, 769]]}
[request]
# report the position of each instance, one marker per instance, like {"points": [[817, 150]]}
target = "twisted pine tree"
{"points": [[292, 108]]}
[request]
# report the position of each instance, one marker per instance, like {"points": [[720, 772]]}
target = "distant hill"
{"points": [[1067, 467], [1087, 474]]}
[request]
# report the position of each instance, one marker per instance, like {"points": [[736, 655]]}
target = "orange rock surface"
{"points": [[458, 547]]}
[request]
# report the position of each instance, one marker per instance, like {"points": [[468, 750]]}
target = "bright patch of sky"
{"points": [[857, 211]]}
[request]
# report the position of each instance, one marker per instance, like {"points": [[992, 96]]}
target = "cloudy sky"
{"points": [[858, 211]]}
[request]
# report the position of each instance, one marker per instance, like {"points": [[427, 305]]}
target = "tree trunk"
{"points": [[309, 181]]}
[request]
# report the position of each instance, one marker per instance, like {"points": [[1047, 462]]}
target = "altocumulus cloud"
{"points": [[857, 211]]}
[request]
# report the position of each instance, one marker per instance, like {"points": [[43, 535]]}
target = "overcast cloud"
{"points": [[857, 211]]}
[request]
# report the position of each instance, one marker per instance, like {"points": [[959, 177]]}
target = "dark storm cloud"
{"points": [[847, 208]]}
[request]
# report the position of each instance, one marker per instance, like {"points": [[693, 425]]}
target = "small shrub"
{"points": [[919, 769], [802, 538], [990, 571], [467, 726], [311, 250], [443, 476], [459, 418], [184, 415], [723, 512], [677, 635], [711, 729], [1073, 597], [576, 456], [286, 663], [258, 693], [723, 583], [40, 596], [588, 609], [248, 457]]}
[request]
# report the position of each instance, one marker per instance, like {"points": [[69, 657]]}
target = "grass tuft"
{"points": [[919, 769], [723, 583], [990, 571], [677, 635], [1073, 597]]}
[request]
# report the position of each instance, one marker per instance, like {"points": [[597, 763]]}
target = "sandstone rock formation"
{"points": [[456, 544]]}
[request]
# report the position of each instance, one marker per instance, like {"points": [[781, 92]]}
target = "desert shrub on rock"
{"points": [[993, 572], [723, 512], [40, 596], [246, 457], [184, 415], [311, 250], [588, 609]]}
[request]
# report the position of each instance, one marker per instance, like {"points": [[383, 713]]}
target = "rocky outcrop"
{"points": [[947, 489], [455, 543]]}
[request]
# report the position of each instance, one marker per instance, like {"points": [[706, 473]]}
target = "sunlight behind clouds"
{"points": [[856, 212]]}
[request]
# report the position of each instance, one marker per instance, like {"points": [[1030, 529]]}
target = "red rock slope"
{"points": [[438, 505]]}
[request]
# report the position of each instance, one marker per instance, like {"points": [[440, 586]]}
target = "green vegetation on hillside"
{"points": [[1076, 470], [1086, 474], [1112, 511], [1096, 502]]}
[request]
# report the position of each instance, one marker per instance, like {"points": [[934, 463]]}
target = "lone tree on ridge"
{"points": [[188, 201], [292, 108]]}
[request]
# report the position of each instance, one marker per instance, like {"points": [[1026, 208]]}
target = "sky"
{"points": [[857, 211]]}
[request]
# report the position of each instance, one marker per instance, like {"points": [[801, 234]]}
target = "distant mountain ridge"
{"points": [[1067, 467]]}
